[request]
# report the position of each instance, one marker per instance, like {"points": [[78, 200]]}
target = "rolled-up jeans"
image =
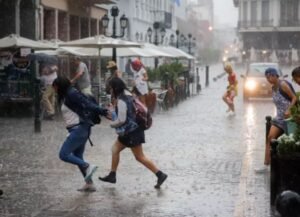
{"points": [[73, 148]]}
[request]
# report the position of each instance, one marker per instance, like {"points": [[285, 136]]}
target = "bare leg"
{"points": [[140, 157], [225, 99], [274, 133], [116, 149]]}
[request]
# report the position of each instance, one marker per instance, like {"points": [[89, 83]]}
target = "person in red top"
{"points": [[231, 90]]}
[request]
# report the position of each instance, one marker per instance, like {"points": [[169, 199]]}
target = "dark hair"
{"points": [[296, 72], [118, 86], [62, 84], [271, 71]]}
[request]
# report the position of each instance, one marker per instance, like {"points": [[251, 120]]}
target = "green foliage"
{"points": [[288, 144], [165, 71]]}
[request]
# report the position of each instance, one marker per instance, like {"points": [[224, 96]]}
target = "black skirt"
{"points": [[134, 138]]}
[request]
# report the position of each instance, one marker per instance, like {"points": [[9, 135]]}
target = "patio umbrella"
{"points": [[43, 58], [177, 52], [99, 42], [15, 41]]}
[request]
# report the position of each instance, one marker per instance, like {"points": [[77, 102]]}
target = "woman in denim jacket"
{"points": [[132, 138], [78, 112]]}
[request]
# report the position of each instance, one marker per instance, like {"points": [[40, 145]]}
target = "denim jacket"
{"points": [[83, 106]]}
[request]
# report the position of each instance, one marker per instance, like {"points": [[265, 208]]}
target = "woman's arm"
{"points": [[122, 114], [286, 88]]}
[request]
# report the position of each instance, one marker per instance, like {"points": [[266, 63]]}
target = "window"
{"points": [[265, 13], [253, 13]]}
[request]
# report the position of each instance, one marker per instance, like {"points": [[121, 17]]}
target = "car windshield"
{"points": [[259, 70]]}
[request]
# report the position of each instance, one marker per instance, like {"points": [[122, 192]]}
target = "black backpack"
{"points": [[94, 117], [283, 93]]}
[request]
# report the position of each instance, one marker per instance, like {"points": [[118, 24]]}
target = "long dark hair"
{"points": [[62, 85], [118, 86]]}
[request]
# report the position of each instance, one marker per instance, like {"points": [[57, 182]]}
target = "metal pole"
{"points": [[114, 51], [156, 43], [207, 76], [198, 80], [37, 108]]}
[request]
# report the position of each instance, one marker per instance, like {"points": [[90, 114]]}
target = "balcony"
{"points": [[164, 18], [289, 23], [255, 23]]}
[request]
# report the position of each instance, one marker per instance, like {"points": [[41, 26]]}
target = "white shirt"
{"points": [[140, 84], [70, 117], [48, 79]]}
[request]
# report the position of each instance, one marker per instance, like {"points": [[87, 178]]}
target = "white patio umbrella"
{"points": [[100, 42], [177, 52], [15, 41]]}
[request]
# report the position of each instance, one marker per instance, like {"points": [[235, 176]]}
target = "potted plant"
{"points": [[285, 157]]}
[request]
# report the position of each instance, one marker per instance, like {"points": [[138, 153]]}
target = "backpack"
{"points": [[142, 115], [94, 116], [283, 93]]}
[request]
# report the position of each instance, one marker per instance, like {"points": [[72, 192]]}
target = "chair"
{"points": [[160, 98]]}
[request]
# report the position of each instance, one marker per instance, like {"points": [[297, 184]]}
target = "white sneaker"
{"points": [[87, 188], [262, 169], [89, 172]]}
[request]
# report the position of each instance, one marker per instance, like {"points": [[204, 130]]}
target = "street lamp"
{"points": [[156, 27], [172, 37], [114, 12], [149, 34], [177, 38]]}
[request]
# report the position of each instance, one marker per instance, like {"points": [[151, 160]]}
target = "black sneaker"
{"points": [[109, 178], [160, 180]]}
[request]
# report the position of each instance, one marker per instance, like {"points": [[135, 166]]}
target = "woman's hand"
{"points": [[287, 114]]}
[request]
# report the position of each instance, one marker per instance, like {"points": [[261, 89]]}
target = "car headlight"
{"points": [[250, 85]]}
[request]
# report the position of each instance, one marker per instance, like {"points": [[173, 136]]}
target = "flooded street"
{"points": [[208, 155]]}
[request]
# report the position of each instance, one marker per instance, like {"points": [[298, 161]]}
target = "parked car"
{"points": [[255, 83]]}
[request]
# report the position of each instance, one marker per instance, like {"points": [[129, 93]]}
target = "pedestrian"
{"points": [[1, 192], [78, 111], [296, 75], [133, 137], [232, 88], [288, 204], [284, 98], [140, 79], [49, 74], [81, 79], [114, 72]]}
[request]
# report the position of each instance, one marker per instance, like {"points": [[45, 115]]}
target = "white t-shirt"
{"points": [[48, 79], [70, 117], [140, 84]]}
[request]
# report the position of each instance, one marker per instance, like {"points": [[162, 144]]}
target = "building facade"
{"points": [[269, 24], [51, 19]]}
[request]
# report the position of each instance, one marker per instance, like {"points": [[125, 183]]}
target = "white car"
{"points": [[255, 83]]}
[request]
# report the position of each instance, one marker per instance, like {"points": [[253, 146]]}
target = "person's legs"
{"points": [[225, 99], [46, 100], [140, 157], [116, 149], [274, 133], [76, 139]]}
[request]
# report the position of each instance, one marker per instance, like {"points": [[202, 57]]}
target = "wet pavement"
{"points": [[208, 154]]}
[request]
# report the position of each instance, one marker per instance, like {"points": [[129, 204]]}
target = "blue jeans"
{"points": [[73, 148]]}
